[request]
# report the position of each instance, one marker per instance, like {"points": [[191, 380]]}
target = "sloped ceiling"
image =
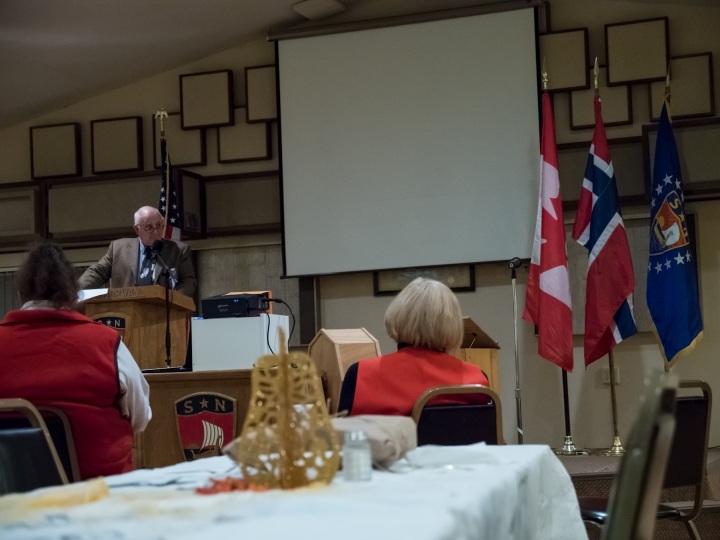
{"points": [[54, 53], [57, 52]]}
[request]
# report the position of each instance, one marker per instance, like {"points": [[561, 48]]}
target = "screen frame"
{"points": [[538, 68]]}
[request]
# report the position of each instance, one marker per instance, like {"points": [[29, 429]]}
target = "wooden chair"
{"points": [[686, 464], [451, 425], [28, 458], [631, 511]]}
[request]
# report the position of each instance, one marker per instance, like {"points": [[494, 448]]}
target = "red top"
{"points": [[391, 384], [63, 359]]}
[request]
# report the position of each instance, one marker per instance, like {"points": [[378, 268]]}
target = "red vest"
{"points": [[63, 359], [391, 384]]}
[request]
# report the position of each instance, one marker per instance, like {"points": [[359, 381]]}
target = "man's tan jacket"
{"points": [[119, 267]]}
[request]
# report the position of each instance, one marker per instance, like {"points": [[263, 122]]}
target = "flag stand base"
{"points": [[569, 448], [615, 450]]}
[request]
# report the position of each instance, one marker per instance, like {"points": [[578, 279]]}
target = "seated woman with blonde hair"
{"points": [[426, 322]]}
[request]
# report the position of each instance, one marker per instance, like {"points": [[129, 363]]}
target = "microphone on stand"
{"points": [[514, 264], [157, 247]]}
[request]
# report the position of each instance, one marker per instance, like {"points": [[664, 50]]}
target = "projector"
{"points": [[235, 305]]}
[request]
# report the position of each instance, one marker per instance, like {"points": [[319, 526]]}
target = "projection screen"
{"points": [[409, 146]]}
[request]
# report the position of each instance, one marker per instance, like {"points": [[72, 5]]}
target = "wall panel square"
{"points": [[260, 94], [206, 99], [117, 145], [244, 202], [637, 51], [113, 204], [244, 141], [186, 147], [566, 59], [691, 86], [55, 151]]}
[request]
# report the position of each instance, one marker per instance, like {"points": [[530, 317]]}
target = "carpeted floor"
{"points": [[593, 476]]}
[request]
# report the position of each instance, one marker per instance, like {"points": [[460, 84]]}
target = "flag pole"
{"points": [[568, 448], [514, 264], [162, 114], [617, 448]]}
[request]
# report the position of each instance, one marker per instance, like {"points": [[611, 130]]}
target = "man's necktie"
{"points": [[147, 268]]}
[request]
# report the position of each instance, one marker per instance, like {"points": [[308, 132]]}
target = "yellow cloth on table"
{"points": [[54, 497]]}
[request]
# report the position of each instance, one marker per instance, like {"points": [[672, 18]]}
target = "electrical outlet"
{"points": [[606, 375]]}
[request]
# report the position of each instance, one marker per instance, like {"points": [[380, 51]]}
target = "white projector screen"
{"points": [[410, 146]]}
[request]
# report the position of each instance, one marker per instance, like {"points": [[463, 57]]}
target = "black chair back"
{"points": [[59, 433], [28, 459], [452, 425], [26, 462], [635, 494], [686, 466]]}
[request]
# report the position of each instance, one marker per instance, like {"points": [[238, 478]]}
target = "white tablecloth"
{"points": [[478, 492]]}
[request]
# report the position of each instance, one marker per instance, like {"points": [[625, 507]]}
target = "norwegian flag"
{"points": [[169, 205], [599, 227], [547, 300]]}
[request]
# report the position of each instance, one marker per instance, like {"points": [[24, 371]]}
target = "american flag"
{"points": [[599, 227], [169, 205]]}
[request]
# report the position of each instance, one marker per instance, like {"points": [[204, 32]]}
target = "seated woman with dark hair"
{"points": [[52, 355], [426, 322]]}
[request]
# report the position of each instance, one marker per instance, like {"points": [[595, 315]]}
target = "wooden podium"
{"points": [[480, 349], [138, 313]]}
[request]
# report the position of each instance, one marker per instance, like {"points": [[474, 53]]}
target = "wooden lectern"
{"points": [[138, 313], [334, 351], [480, 349]]}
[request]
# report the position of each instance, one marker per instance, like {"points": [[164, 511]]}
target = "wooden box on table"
{"points": [[334, 351]]}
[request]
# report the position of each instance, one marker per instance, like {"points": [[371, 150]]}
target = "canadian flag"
{"points": [[547, 300]]}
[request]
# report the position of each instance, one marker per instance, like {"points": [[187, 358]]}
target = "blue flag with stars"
{"points": [[672, 286]]}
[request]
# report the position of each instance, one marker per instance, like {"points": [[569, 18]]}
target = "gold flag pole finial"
{"points": [[544, 76], [596, 74], [162, 114]]}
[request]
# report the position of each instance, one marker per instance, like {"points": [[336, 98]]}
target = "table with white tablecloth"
{"points": [[478, 491]]}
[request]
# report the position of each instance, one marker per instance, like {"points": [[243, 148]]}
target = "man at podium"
{"points": [[131, 262]]}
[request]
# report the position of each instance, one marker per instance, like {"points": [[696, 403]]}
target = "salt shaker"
{"points": [[357, 458]]}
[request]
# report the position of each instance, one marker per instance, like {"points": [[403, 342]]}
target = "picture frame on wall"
{"points": [[206, 99], [191, 188], [116, 145], [697, 141], [186, 147], [244, 141], [616, 105], [566, 56], [691, 86], [260, 94], [55, 151], [459, 278], [637, 51]]}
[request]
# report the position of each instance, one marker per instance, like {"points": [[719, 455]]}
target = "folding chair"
{"points": [[688, 456], [630, 512], [451, 425], [686, 464], [28, 458]]}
